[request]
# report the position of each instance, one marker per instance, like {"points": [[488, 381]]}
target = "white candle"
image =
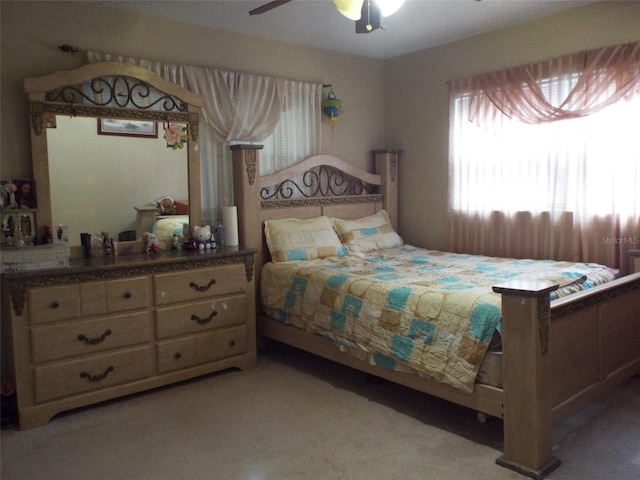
{"points": [[230, 224]]}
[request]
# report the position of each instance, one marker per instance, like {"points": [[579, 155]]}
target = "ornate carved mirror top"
{"points": [[115, 91]]}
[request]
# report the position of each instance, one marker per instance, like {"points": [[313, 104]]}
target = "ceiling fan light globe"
{"points": [[389, 7], [350, 8]]}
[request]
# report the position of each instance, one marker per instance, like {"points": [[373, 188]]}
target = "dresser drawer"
{"points": [[197, 317], [49, 304], [177, 354], [127, 294], [196, 284], [93, 298], [88, 336], [203, 348], [92, 373]]}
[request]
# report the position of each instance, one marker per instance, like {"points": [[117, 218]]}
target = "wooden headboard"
{"points": [[318, 185]]}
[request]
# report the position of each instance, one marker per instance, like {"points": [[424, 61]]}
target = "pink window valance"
{"points": [[593, 79]]}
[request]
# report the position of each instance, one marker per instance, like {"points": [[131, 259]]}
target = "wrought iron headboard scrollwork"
{"points": [[320, 181]]}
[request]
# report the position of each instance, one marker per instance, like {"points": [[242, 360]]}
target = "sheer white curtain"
{"points": [[243, 108], [524, 186], [297, 134]]}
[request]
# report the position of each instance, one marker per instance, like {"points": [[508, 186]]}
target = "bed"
{"points": [[165, 219], [554, 356]]}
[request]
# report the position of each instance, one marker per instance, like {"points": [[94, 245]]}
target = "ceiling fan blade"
{"points": [[370, 18], [268, 6]]}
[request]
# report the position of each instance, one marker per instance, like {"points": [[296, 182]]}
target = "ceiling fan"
{"points": [[367, 14]]}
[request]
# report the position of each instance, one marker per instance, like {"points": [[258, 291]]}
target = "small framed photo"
{"points": [[127, 128], [18, 193]]}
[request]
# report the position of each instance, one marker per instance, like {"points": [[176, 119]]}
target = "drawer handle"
{"points": [[202, 321], [177, 355], [127, 295], [55, 304], [99, 377], [203, 288], [96, 340], [232, 343]]}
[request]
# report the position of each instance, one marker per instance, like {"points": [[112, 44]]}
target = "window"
{"points": [[548, 164], [297, 134], [588, 163]]}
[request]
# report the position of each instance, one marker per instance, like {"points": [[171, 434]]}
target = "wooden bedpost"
{"points": [[526, 321], [246, 192], [386, 165]]}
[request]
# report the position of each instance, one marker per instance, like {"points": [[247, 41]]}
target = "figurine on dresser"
{"points": [[152, 243], [9, 190], [18, 209], [202, 236]]}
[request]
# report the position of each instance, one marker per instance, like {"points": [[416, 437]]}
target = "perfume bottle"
{"points": [[218, 234]]}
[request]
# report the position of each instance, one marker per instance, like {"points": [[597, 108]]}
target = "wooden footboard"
{"points": [[559, 356], [596, 340]]}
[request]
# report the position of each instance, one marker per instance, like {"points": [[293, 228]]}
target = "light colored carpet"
{"points": [[296, 416]]}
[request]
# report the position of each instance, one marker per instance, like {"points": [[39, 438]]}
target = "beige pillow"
{"points": [[295, 239], [368, 233]]}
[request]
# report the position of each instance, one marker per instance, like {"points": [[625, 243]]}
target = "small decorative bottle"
{"points": [[218, 234]]}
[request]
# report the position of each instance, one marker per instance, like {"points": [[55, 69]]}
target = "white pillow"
{"points": [[368, 233], [295, 239]]}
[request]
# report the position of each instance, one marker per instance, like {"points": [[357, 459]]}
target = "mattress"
{"points": [[410, 309]]}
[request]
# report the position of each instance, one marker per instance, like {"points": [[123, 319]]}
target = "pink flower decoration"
{"points": [[175, 135]]}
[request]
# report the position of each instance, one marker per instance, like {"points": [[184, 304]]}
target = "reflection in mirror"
{"points": [[98, 179], [95, 179]]}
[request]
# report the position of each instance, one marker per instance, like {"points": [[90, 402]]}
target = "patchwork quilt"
{"points": [[410, 309]]}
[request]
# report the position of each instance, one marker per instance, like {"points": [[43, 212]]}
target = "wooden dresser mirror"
{"points": [[93, 99]]}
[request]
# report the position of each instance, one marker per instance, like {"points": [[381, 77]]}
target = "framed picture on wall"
{"points": [[127, 128]]}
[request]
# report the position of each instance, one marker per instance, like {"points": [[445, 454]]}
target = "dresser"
{"points": [[105, 327]]}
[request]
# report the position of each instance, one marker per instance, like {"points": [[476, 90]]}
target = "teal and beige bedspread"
{"points": [[407, 308]]}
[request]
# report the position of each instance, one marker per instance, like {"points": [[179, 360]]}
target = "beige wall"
{"points": [[417, 103], [31, 31], [412, 117]]}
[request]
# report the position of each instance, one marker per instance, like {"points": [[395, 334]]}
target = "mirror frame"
{"points": [[50, 94]]}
